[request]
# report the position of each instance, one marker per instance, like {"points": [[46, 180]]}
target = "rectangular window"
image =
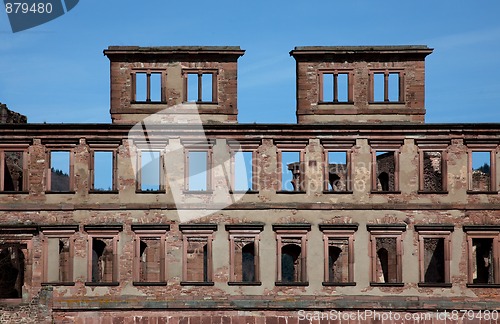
{"points": [[338, 254], [385, 176], [151, 171], [13, 172], [435, 254], [12, 267], [198, 175], [334, 87], [432, 171], [200, 86], [147, 86], [150, 254], [103, 170], [197, 255], [292, 171], [61, 171], [243, 168], [292, 254], [58, 251], [244, 253], [102, 268], [337, 175], [482, 171], [387, 86], [483, 242], [386, 254]]}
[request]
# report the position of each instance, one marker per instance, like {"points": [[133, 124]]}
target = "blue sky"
{"points": [[56, 72]]}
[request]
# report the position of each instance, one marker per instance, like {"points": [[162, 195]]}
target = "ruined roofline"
{"points": [[173, 50], [353, 50]]}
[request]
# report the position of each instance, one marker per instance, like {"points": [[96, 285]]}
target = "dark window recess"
{"points": [[434, 260], [291, 263], [338, 260], [386, 168], [13, 171], [433, 171], [12, 265], [102, 260], [244, 256], [386, 263], [482, 258]]}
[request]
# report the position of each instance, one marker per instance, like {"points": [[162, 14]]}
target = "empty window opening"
{"points": [[12, 263], [197, 259], [292, 173], [102, 259], [60, 171], [244, 260], [481, 171], [386, 167], [13, 171], [198, 174], [200, 87], [291, 261], [335, 87], [433, 171], [151, 175], [148, 87], [243, 171], [140, 87], [150, 260], [59, 260], [482, 259], [434, 260], [338, 260], [386, 87], [386, 260], [103, 169], [337, 171]]}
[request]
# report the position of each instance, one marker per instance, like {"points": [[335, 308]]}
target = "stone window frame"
{"points": [[14, 148], [299, 231], [339, 231], [197, 146], [386, 72], [48, 174], [434, 231], [350, 86], [385, 146], [251, 231], [103, 148], [200, 71], [150, 147], [287, 146], [103, 231], [246, 146], [21, 235], [480, 232], [433, 146], [473, 146], [148, 72], [150, 231], [58, 231], [386, 231], [198, 231], [338, 146]]}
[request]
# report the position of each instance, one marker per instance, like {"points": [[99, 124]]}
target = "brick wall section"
{"points": [[361, 60], [172, 61]]}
